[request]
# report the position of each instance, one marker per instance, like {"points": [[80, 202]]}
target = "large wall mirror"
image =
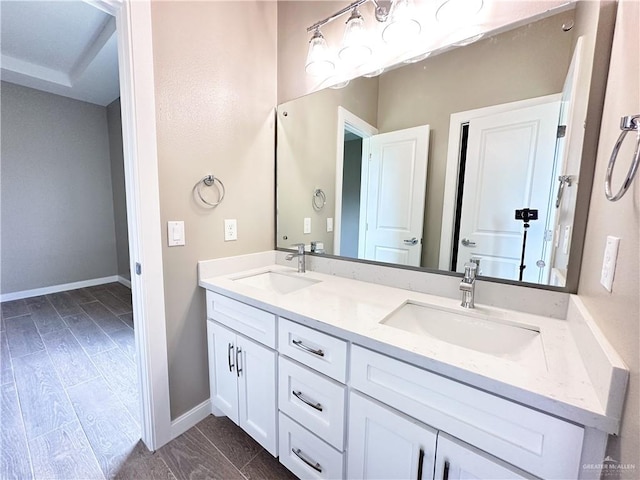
{"points": [[476, 153]]}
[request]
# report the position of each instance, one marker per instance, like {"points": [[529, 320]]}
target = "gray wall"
{"points": [[56, 199], [114, 121]]}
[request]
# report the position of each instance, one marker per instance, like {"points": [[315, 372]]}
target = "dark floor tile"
{"points": [[266, 467], [191, 456], [120, 291], [44, 403], [113, 303], [88, 334], [65, 454], [36, 300], [120, 373], [64, 304], [71, 362], [103, 317], [46, 317], [81, 295], [127, 318], [110, 429], [141, 464], [6, 369], [230, 439], [15, 461], [22, 336], [125, 339], [14, 308]]}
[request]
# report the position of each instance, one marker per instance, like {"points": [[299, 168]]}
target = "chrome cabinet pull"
{"points": [[299, 395], [445, 472], [420, 464], [238, 356], [411, 241], [229, 354], [468, 243], [315, 465], [299, 344]]}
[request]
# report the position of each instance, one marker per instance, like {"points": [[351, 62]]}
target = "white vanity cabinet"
{"points": [[242, 376]]}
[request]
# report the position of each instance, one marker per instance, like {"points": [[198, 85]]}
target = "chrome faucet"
{"points": [[468, 285], [300, 255]]}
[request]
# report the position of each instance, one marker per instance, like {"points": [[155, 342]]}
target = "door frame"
{"points": [[352, 123], [137, 99], [453, 165]]}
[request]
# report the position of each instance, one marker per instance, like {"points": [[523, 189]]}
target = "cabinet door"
{"points": [[222, 369], [456, 460], [385, 444], [257, 386]]}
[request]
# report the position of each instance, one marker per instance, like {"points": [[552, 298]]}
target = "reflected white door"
{"points": [[510, 163], [396, 181]]}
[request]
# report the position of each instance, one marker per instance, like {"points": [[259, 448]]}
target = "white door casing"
{"points": [[510, 163], [396, 181]]}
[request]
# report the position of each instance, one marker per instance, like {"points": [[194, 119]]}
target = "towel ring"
{"points": [[319, 199], [209, 181], [627, 124]]}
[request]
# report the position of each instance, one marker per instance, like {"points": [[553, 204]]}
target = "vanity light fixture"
{"points": [[403, 26], [355, 49], [319, 61], [458, 11], [417, 58]]}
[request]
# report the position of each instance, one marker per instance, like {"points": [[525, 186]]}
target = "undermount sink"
{"points": [[471, 330], [277, 282]]}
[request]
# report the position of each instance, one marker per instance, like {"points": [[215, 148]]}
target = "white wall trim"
{"points": [[124, 281], [189, 419], [6, 297]]}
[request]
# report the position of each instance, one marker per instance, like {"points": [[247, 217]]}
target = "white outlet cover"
{"points": [[329, 224], [307, 225], [230, 229], [609, 262]]}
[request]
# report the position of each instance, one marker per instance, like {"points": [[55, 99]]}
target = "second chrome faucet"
{"points": [[300, 255], [468, 285]]}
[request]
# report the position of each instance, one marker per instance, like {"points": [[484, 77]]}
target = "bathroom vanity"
{"points": [[342, 378]]}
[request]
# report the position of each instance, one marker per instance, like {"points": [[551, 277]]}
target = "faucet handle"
{"points": [[470, 270]]}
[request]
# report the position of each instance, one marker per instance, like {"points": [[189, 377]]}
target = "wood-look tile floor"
{"points": [[69, 400]]}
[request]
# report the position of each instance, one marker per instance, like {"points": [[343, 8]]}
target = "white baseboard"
{"points": [[189, 419], [6, 297], [124, 281]]}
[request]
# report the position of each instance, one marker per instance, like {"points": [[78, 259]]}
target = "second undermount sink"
{"points": [[472, 330], [277, 282]]}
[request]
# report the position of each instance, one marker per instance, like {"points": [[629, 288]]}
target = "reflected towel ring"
{"points": [[319, 199], [627, 124], [209, 181]]}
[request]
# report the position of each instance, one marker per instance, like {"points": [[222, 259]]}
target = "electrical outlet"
{"points": [[307, 225], [609, 262], [230, 229], [329, 224]]}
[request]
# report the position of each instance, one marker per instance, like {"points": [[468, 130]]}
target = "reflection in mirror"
{"points": [[448, 160]]}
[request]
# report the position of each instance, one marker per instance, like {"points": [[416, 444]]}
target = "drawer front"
{"points": [[250, 321], [317, 350], [313, 400], [538, 443], [305, 454]]}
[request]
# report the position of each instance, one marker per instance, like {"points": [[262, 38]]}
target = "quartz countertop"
{"points": [[560, 385]]}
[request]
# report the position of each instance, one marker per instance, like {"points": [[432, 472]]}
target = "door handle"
{"points": [[411, 241], [564, 180], [468, 243], [420, 464], [229, 355], [238, 356]]}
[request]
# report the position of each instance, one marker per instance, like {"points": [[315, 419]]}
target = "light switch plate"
{"points": [[329, 224], [230, 229], [609, 262], [307, 225], [175, 233]]}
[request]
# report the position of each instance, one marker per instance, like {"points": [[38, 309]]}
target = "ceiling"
{"points": [[67, 48]]}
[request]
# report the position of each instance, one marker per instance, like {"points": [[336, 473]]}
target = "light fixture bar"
{"points": [[347, 9]]}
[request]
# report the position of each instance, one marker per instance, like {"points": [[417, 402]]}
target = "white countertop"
{"points": [[353, 309]]}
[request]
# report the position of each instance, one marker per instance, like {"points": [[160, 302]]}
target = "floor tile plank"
{"points": [[81, 295], [6, 375], [88, 334], [230, 439], [266, 467], [15, 463], [44, 403], [122, 292], [22, 336], [71, 362], [125, 339], [64, 454], [103, 317], [127, 318], [143, 464], [191, 456], [110, 429], [14, 308], [113, 303], [46, 317], [64, 304], [120, 374]]}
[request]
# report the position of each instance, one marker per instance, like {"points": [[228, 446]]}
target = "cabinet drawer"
{"points": [[305, 454], [313, 400], [538, 443], [250, 321], [317, 350]]}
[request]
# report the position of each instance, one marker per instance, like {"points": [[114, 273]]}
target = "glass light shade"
{"points": [[458, 11], [402, 26], [418, 58], [355, 49], [319, 62]]}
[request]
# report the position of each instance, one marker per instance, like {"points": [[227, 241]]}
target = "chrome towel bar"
{"points": [[628, 124]]}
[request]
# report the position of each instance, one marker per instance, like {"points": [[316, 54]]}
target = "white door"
{"points": [[384, 444], [394, 187], [510, 163], [222, 374], [257, 388], [458, 461]]}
